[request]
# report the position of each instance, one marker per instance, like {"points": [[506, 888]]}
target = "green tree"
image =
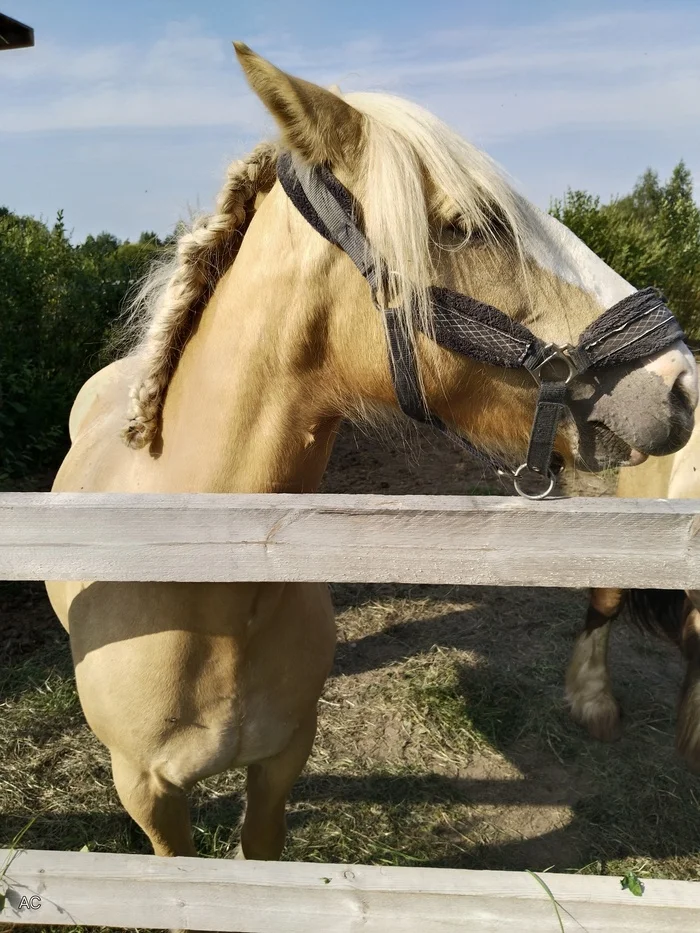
{"points": [[58, 303], [651, 237]]}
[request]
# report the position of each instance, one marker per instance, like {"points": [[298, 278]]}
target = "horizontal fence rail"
{"points": [[502, 541], [76, 888]]}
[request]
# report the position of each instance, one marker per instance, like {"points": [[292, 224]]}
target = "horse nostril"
{"points": [[684, 392], [687, 381], [682, 415]]}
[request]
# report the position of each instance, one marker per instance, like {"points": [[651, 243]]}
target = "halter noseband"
{"points": [[636, 327]]}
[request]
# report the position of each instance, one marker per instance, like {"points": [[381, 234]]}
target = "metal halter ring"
{"points": [[550, 479], [557, 355]]}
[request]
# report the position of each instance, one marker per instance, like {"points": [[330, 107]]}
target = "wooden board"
{"points": [[292, 897], [14, 35], [405, 539]]}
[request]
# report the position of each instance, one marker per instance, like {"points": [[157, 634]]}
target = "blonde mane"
{"points": [[405, 146]]}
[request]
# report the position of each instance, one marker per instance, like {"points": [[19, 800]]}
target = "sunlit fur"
{"points": [[415, 172]]}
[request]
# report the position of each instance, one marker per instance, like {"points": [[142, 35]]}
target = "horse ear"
{"points": [[317, 123]]}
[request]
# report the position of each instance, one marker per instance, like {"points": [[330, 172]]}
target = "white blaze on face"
{"points": [[677, 365], [555, 248]]}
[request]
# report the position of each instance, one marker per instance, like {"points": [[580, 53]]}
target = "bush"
{"points": [[58, 303], [651, 237]]}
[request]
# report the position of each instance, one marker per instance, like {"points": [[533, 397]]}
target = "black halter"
{"points": [[636, 327]]}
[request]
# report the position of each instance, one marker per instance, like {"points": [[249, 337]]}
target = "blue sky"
{"points": [[125, 114]]}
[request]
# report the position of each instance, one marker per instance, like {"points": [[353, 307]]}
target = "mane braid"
{"points": [[172, 294]]}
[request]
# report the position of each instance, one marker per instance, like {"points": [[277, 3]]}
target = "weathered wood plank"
{"points": [[14, 35], [405, 539], [292, 897]]}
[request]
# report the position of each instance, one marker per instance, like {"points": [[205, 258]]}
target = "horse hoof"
{"points": [[688, 742], [692, 760], [688, 747], [688, 725], [608, 729], [600, 717]]}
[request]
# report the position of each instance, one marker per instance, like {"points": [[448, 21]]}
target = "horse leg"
{"points": [[688, 724], [160, 808], [588, 688], [268, 785]]}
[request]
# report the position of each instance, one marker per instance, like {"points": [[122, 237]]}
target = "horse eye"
{"points": [[453, 228]]}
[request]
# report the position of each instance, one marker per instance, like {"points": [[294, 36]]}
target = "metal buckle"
{"points": [[558, 356], [549, 478]]}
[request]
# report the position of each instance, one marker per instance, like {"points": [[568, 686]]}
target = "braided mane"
{"points": [[174, 292]]}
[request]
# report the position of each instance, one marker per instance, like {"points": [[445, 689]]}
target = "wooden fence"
{"points": [[500, 541], [410, 539], [293, 897]]}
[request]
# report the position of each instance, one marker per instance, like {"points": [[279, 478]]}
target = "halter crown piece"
{"points": [[636, 327]]}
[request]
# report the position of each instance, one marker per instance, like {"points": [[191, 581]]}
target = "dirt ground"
{"points": [[443, 736]]}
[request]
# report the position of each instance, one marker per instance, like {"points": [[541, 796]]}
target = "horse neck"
{"points": [[257, 396], [290, 341]]}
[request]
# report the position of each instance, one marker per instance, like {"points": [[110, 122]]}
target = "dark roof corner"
{"points": [[14, 35]]}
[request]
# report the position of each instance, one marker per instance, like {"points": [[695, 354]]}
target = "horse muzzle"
{"points": [[623, 419]]}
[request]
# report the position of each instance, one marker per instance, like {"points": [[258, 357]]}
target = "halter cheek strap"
{"points": [[636, 327]]}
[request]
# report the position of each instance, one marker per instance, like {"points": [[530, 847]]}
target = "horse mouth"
{"points": [[603, 449]]}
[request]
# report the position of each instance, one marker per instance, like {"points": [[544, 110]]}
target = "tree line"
{"points": [[60, 303], [59, 306]]}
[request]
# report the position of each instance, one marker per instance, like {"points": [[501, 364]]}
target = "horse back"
{"points": [[101, 391]]}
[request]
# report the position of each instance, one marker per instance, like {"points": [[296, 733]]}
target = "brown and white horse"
{"points": [[674, 614], [255, 341]]}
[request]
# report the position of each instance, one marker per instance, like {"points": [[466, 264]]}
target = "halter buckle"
{"points": [[559, 365]]}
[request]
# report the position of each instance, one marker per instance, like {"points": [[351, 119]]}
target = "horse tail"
{"points": [[659, 612]]}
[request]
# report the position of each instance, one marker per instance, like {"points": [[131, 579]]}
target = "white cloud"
{"points": [[155, 106], [182, 79], [626, 69], [589, 101]]}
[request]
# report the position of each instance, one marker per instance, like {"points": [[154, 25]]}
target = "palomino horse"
{"points": [[256, 340], [672, 613]]}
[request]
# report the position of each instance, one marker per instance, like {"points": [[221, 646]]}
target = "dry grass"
{"points": [[443, 737]]}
